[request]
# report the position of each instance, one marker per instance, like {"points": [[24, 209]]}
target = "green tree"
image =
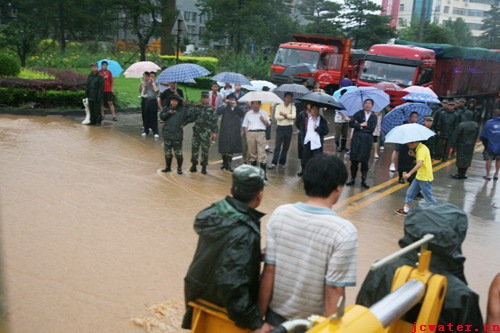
{"points": [[362, 19], [491, 26], [20, 33], [169, 12], [433, 33], [461, 31], [242, 23], [323, 17]]}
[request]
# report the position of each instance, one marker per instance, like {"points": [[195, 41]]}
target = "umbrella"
{"points": [[384, 85], [321, 99], [265, 97], [231, 77], [113, 66], [409, 133], [421, 97], [338, 93], [259, 84], [297, 90], [401, 114], [421, 90], [182, 73], [299, 69], [136, 70], [354, 99]]}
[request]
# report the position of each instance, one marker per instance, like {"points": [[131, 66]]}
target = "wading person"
{"points": [[255, 124], [464, 139], [300, 123], [406, 160], [363, 122], [445, 125], [230, 131], [204, 131], [423, 179], [164, 98], [175, 118], [94, 92], [144, 95], [109, 90], [151, 113], [490, 137], [316, 127], [226, 264], [310, 251], [285, 115]]}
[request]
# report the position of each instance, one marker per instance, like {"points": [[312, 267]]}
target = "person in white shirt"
{"points": [[316, 128], [255, 123], [214, 97], [285, 115], [226, 91]]}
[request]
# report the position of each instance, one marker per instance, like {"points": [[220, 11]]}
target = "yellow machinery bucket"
{"points": [[208, 317]]}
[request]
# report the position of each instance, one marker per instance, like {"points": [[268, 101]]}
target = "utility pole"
{"points": [[422, 21], [179, 29]]}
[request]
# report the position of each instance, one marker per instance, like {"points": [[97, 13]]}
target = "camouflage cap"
{"points": [[445, 101], [462, 100], [429, 118], [205, 94], [456, 100], [175, 96], [248, 179]]}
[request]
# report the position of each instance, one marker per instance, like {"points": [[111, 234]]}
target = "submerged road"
{"points": [[92, 233]]}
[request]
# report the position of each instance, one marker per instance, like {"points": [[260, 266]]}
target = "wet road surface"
{"points": [[92, 233]]}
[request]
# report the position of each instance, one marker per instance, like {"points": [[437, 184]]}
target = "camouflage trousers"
{"points": [[201, 139], [175, 145]]}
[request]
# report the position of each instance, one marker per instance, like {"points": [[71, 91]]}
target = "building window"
{"points": [[190, 17], [402, 7], [204, 18], [446, 9], [460, 11], [476, 12], [489, 2], [475, 26]]}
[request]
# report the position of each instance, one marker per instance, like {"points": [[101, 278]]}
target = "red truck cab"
{"points": [[330, 59]]}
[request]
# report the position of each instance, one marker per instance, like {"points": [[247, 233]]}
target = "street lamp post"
{"points": [[179, 29]]}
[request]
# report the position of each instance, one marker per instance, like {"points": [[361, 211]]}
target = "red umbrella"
{"points": [[387, 86]]}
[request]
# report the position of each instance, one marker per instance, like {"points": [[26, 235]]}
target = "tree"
{"points": [[433, 33], [376, 30], [491, 26], [169, 12], [359, 19], [242, 23], [20, 32], [323, 16], [461, 31], [143, 18]]}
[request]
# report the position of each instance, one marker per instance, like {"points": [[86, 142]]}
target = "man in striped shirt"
{"points": [[311, 251]]}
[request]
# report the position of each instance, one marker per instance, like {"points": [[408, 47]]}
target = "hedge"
{"points": [[17, 97], [209, 63], [8, 66]]}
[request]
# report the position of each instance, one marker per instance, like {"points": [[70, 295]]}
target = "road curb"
{"points": [[57, 112]]}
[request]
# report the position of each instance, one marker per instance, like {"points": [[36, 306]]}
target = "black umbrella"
{"points": [[321, 99], [298, 69]]}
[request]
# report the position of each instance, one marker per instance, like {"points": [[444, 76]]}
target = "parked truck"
{"points": [[326, 60], [451, 71]]}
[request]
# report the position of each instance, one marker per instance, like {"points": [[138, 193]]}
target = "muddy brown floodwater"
{"points": [[95, 239]]}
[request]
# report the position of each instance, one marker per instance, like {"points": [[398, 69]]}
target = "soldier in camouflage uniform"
{"points": [[204, 130], [175, 117]]}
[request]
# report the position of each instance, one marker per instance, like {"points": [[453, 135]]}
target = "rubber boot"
{"points": [[254, 163], [168, 164], [264, 167], [354, 173], [204, 169], [229, 160], [193, 168], [179, 165], [343, 143], [363, 181], [224, 162]]}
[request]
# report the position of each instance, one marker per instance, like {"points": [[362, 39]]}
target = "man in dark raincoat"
{"points": [[445, 125], [226, 265], [175, 118], [464, 139], [94, 92], [448, 224], [364, 123], [230, 131]]}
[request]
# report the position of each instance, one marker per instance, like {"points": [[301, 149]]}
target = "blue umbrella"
{"points": [[338, 93], [113, 66], [401, 114], [421, 97], [409, 133], [354, 99], [182, 73], [232, 77]]}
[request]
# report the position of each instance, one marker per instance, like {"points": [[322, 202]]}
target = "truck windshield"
{"points": [[287, 57], [377, 72]]}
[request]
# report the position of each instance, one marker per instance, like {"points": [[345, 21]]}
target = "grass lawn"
{"points": [[127, 92]]}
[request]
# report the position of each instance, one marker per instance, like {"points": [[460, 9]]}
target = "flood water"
{"points": [[92, 233]]}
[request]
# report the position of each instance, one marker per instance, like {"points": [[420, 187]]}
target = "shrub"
{"points": [[49, 98], [64, 80], [31, 74], [254, 66], [209, 63], [8, 66]]}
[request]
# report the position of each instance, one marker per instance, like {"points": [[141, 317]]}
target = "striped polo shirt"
{"points": [[311, 247]]}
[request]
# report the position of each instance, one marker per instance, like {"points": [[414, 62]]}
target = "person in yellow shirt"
{"points": [[269, 110], [423, 179]]}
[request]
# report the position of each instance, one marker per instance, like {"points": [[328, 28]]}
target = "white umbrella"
{"points": [[259, 84], [136, 70], [265, 97], [409, 133], [420, 90]]}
